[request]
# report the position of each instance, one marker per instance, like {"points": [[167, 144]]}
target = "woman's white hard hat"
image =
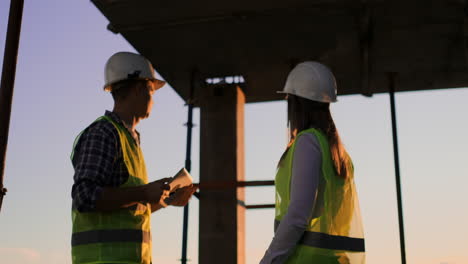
{"points": [[127, 65], [313, 81]]}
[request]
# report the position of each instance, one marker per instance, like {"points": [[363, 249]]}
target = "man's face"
{"points": [[143, 99]]}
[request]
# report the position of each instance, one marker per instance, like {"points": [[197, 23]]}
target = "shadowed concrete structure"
{"points": [[423, 41], [372, 46], [222, 216]]}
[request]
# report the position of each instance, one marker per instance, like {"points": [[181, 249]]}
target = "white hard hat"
{"points": [[313, 81], [127, 65]]}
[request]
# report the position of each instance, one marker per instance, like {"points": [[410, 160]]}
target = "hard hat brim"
{"points": [[331, 101], [156, 82]]}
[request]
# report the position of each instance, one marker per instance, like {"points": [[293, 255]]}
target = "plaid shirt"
{"points": [[98, 163]]}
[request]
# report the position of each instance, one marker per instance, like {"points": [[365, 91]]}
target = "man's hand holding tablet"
{"points": [[182, 188]]}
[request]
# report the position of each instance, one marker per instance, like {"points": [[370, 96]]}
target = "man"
{"points": [[112, 199]]}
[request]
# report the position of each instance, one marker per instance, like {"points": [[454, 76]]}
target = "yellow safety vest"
{"points": [[334, 234], [121, 236]]}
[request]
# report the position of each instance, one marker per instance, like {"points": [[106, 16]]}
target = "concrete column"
{"points": [[222, 218]]}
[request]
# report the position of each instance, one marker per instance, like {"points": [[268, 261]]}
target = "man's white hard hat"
{"points": [[313, 81], [127, 65]]}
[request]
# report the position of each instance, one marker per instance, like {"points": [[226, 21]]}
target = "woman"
{"points": [[317, 216]]}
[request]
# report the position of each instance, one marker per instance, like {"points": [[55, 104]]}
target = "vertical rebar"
{"points": [[392, 80], [8, 82]]}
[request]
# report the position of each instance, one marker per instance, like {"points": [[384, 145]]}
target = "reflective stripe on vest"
{"points": [[322, 240], [112, 235]]}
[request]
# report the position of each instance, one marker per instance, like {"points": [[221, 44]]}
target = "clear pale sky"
{"points": [[58, 92]]}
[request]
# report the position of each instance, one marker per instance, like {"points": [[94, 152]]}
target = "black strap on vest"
{"points": [[326, 241], [111, 235]]}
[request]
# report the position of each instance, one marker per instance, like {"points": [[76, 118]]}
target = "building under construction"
{"points": [[223, 55]]}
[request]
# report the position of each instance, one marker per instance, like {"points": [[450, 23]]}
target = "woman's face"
{"points": [[292, 130]]}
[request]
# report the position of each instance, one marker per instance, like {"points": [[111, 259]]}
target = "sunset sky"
{"points": [[58, 92]]}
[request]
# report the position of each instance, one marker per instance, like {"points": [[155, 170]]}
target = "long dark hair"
{"points": [[304, 114]]}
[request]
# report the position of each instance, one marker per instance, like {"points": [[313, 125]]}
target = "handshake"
{"points": [[175, 191]]}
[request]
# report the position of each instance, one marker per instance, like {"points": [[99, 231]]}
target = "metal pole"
{"points": [[392, 79], [8, 81], [188, 166]]}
